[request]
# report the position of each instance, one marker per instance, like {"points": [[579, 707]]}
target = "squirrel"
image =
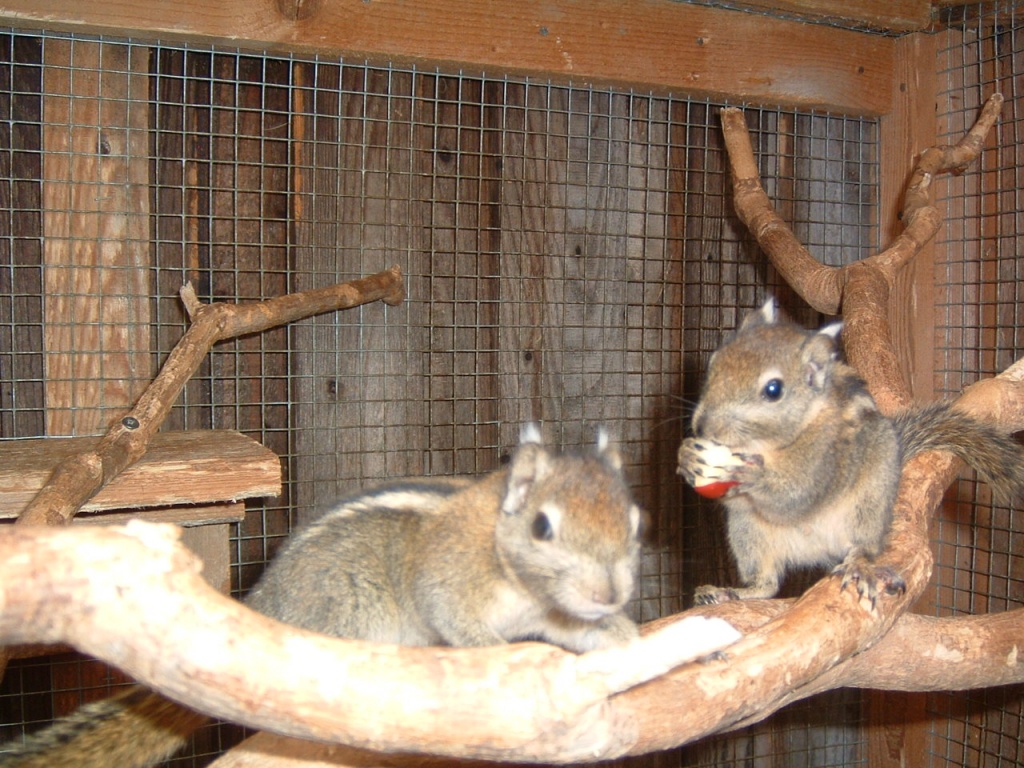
{"points": [[546, 548], [787, 435]]}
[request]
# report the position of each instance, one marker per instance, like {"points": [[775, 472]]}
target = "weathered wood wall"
{"points": [[569, 253]]}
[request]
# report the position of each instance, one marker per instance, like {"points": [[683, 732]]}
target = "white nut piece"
{"points": [[717, 459]]}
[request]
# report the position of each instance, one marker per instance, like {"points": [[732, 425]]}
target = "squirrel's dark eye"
{"points": [[772, 391], [542, 529]]}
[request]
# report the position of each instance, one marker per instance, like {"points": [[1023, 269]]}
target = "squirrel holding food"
{"points": [[786, 434], [546, 548]]}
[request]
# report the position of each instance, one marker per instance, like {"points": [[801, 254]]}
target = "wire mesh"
{"points": [[979, 566], [570, 254]]}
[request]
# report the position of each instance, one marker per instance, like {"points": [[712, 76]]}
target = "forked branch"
{"points": [[861, 290], [78, 478]]}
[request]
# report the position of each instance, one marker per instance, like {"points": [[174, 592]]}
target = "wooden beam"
{"points": [[661, 45], [186, 516], [883, 15]]}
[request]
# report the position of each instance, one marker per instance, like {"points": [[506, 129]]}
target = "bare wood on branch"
{"points": [[201, 648]]}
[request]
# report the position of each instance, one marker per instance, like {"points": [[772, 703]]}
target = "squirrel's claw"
{"points": [[868, 579], [713, 657], [701, 459], [711, 595]]}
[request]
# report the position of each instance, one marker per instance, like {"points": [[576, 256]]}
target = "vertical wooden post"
{"points": [[905, 132], [96, 231], [95, 252], [897, 729]]}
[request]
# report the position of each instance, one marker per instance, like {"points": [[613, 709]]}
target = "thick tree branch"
{"points": [[134, 597], [78, 586]]}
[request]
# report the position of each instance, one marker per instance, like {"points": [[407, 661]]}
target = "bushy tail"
{"points": [[996, 456], [136, 729]]}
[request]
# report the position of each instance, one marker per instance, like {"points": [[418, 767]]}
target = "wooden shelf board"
{"points": [[195, 469]]}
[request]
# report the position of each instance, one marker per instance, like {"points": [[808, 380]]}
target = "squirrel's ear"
{"points": [[817, 355], [609, 453], [530, 463], [768, 314], [833, 329], [530, 433]]}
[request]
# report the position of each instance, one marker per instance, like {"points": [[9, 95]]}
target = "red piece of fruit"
{"points": [[714, 490]]}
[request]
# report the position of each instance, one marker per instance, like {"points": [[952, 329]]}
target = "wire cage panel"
{"points": [[570, 256], [979, 267]]}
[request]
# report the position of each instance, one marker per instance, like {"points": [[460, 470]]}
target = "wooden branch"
{"points": [[919, 654], [77, 478], [920, 217], [195, 645], [818, 285], [187, 640], [861, 290], [821, 286]]}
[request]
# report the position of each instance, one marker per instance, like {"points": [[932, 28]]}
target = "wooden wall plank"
{"points": [[21, 289], [362, 198], [180, 193], [457, 285], [689, 49], [533, 244], [96, 232]]}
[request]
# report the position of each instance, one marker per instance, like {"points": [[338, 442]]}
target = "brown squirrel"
{"points": [[787, 435], [543, 549]]}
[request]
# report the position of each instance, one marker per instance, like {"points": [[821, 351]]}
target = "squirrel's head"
{"points": [[767, 382], [568, 528]]}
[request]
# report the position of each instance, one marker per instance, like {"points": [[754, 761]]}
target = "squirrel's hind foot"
{"points": [[712, 595], [868, 579]]}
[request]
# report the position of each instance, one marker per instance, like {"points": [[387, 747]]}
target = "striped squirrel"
{"points": [[787, 435], [543, 549]]}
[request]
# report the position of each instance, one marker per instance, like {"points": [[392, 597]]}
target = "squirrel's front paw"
{"points": [[615, 630], [868, 579], [712, 595], [713, 469]]}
